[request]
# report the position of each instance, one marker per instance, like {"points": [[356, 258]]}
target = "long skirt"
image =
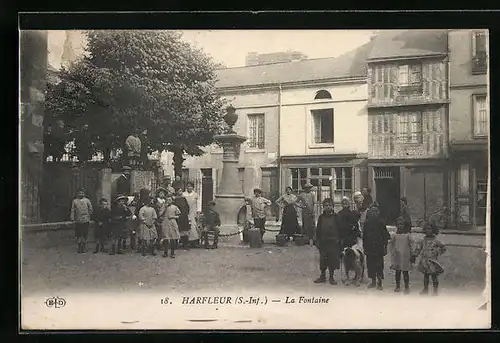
{"points": [[183, 225], [194, 234], [289, 223]]}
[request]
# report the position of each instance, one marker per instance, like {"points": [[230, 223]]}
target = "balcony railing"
{"points": [[480, 63]]}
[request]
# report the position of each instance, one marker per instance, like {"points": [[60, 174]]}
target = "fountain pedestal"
{"points": [[230, 197]]}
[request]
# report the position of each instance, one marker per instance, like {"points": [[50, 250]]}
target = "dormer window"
{"points": [[322, 94]]}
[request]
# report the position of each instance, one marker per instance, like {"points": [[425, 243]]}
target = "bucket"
{"points": [[254, 238], [301, 240], [281, 240]]}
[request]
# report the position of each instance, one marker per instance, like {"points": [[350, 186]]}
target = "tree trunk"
{"points": [[178, 161]]}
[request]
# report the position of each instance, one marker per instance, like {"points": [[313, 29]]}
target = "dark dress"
{"points": [[367, 202], [349, 228], [328, 241], [183, 220], [119, 217], [375, 241], [102, 218], [289, 223], [123, 185]]}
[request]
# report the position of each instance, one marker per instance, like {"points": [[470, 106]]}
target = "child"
{"points": [[248, 221], [120, 213], [375, 241], [428, 249], [147, 228], [183, 221], [102, 219], [401, 253], [260, 205], [211, 223], [81, 212], [328, 242], [170, 230]]}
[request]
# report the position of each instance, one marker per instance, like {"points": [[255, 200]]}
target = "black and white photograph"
{"points": [[254, 179]]}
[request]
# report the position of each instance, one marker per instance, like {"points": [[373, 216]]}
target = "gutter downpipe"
{"points": [[279, 140]]}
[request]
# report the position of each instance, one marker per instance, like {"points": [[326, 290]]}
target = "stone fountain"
{"points": [[230, 197]]}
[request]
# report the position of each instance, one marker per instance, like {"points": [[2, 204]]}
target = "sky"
{"points": [[231, 46]]}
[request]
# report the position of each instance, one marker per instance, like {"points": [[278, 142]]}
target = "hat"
{"points": [[257, 190], [307, 185], [121, 197], [126, 168], [161, 189]]}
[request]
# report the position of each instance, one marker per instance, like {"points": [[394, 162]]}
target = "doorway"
{"points": [[388, 192]]}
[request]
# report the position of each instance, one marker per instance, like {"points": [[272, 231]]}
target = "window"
{"points": [[480, 116], [410, 128], [256, 131], [299, 178], [479, 53], [342, 185], [322, 94], [410, 75], [323, 126]]}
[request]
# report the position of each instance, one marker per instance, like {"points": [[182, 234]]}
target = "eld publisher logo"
{"points": [[55, 302]]}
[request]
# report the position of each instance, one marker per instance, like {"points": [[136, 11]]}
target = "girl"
{"points": [[428, 249], [194, 208], [161, 194], [401, 253], [170, 230], [147, 229], [289, 221], [375, 239], [183, 221], [120, 213]]}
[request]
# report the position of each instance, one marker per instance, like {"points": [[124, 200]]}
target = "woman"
{"points": [[183, 221], [193, 202], [375, 241], [289, 221], [348, 225]]}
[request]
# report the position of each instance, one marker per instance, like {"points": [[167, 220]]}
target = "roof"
{"points": [[408, 43], [350, 64]]}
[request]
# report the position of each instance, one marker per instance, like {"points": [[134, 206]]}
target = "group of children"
{"points": [[151, 221], [374, 241]]}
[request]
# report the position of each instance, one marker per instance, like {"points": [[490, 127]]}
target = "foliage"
{"points": [[135, 80]]}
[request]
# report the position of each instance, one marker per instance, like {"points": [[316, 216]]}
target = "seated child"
{"points": [[211, 224]]}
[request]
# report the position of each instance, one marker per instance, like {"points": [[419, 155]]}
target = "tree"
{"points": [[136, 80]]}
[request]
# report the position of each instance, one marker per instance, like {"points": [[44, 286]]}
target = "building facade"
{"points": [[469, 125], [408, 106]]}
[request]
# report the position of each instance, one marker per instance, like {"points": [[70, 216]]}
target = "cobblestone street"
{"points": [[231, 267]]}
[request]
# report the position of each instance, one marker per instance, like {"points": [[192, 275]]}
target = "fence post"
{"points": [[104, 185]]}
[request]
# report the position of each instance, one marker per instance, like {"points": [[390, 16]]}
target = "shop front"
{"points": [[331, 176], [470, 183]]}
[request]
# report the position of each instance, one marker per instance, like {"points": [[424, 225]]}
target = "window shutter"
{"points": [[261, 132]]}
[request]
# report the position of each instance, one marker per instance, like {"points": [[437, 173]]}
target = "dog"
{"points": [[353, 259]]}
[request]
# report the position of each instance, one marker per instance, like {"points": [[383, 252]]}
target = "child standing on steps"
{"points": [[147, 228], [81, 212], [401, 254], [102, 219], [428, 250]]}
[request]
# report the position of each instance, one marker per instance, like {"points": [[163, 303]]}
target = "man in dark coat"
{"points": [[375, 241], [123, 183], [328, 242], [367, 199]]}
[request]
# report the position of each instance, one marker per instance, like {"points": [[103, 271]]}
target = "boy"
{"points": [[81, 211], [259, 211], [328, 242], [102, 220], [211, 223]]}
